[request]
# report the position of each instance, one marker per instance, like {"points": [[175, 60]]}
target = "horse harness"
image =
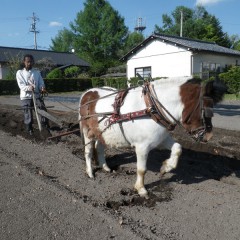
{"points": [[158, 112], [153, 109]]}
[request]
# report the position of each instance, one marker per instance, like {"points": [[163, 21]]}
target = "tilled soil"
{"points": [[45, 193]]}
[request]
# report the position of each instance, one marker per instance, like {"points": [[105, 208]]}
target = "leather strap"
{"points": [[157, 113]]}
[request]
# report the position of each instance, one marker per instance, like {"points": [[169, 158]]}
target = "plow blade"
{"points": [[51, 117]]}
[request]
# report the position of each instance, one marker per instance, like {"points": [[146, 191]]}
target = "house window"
{"points": [[144, 72], [210, 69]]}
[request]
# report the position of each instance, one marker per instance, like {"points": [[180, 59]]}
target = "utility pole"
{"points": [[181, 25], [33, 28]]}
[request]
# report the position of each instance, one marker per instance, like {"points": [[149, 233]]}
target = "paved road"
{"points": [[226, 114]]}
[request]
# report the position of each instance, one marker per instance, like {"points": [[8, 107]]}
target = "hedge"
{"points": [[10, 87], [119, 83], [67, 85]]}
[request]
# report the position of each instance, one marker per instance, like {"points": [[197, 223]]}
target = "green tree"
{"points": [[235, 40], [197, 24], [232, 79], [14, 63], [45, 65], [132, 40], [100, 33], [64, 41]]}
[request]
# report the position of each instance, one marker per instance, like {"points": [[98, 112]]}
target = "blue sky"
{"points": [[54, 15]]}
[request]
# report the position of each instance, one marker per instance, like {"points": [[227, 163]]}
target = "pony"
{"points": [[142, 118]]}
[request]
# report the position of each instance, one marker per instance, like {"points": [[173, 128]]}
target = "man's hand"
{"points": [[43, 90], [31, 87]]}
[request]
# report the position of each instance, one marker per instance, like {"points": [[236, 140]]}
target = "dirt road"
{"points": [[45, 193]]}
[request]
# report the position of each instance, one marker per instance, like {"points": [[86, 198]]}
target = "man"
{"points": [[30, 80]]}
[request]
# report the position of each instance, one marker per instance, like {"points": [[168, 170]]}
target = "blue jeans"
{"points": [[28, 107]]}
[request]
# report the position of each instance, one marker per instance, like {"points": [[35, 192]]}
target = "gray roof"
{"points": [[58, 58], [114, 75], [188, 43]]}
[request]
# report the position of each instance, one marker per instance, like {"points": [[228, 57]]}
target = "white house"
{"points": [[170, 56]]}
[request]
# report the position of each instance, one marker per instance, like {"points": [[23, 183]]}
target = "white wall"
{"points": [[213, 58], [165, 60]]}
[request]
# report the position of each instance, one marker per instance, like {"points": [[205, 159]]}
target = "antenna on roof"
{"points": [[33, 28], [139, 25]]}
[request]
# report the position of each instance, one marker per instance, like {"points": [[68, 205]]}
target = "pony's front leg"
{"points": [[142, 155], [101, 156], [88, 153], [171, 163]]}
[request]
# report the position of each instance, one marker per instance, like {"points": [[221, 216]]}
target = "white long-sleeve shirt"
{"points": [[25, 79]]}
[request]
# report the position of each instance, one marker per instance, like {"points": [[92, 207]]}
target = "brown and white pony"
{"points": [[141, 118]]}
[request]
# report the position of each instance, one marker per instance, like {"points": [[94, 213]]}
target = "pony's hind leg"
{"points": [[171, 163], [141, 170], [101, 156]]}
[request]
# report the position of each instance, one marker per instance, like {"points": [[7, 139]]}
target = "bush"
{"points": [[72, 71], [119, 83], [55, 73], [232, 79], [97, 82]]}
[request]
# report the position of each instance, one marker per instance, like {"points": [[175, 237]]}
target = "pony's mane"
{"points": [[172, 80], [194, 81]]}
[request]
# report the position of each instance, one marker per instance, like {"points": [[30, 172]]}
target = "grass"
{"points": [[231, 97]]}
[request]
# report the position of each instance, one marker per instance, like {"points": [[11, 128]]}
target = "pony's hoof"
{"points": [[143, 193], [106, 168], [90, 175], [166, 168], [162, 172]]}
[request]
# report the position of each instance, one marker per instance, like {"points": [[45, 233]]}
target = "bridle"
{"points": [[206, 113]]}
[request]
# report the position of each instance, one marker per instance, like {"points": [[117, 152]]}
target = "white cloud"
{"points": [[55, 24], [207, 2]]}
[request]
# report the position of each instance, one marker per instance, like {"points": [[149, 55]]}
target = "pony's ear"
{"points": [[216, 90]]}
